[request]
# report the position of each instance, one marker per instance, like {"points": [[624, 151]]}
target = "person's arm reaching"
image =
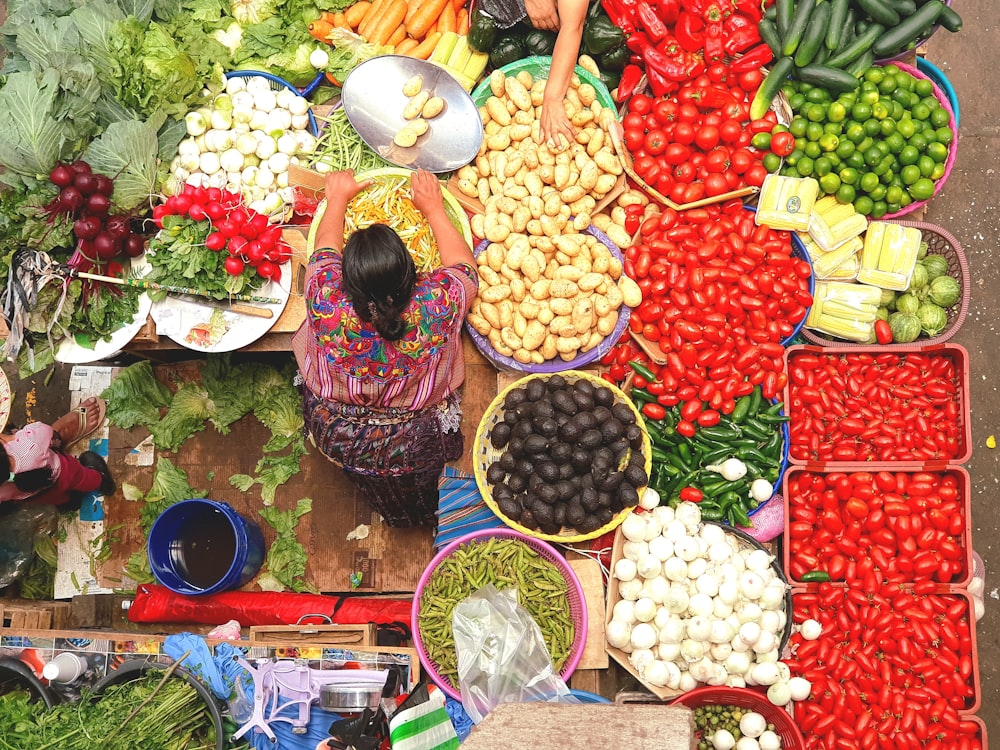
{"points": [[542, 14], [341, 187], [572, 14], [429, 200]]}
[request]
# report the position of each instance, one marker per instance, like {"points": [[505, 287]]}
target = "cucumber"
{"points": [[822, 55], [847, 33], [812, 39], [769, 35], [771, 14], [950, 19], [879, 10], [838, 15], [770, 87], [783, 13], [903, 7], [859, 46], [859, 66], [833, 80], [797, 26], [906, 31]]}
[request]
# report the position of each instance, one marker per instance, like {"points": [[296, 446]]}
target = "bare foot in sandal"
{"points": [[82, 422]]}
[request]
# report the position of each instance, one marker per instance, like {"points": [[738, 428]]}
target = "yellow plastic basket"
{"points": [[484, 454]]}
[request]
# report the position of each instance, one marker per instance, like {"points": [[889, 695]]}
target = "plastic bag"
{"points": [[502, 657], [19, 524]]}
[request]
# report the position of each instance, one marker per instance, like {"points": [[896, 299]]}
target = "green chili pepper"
{"points": [[815, 576], [640, 369]]}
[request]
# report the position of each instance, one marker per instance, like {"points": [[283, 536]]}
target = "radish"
{"points": [[104, 185], [135, 245], [85, 182], [234, 266], [215, 241], [80, 167]]}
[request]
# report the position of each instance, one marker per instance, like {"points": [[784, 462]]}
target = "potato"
{"points": [[540, 289], [518, 290], [581, 118], [560, 288], [615, 268], [596, 337], [415, 105], [561, 306], [548, 347], [534, 335], [617, 234], [545, 315], [518, 93], [479, 324], [525, 79], [495, 254], [510, 338], [553, 201], [570, 273], [529, 308], [571, 194], [589, 175], [520, 323], [532, 271], [497, 343], [406, 137], [632, 197], [419, 126], [496, 82], [601, 221], [587, 94], [568, 345], [551, 227], [587, 63], [581, 221], [468, 187], [498, 141], [517, 253], [520, 218], [588, 282], [433, 107], [601, 306], [631, 293], [495, 293], [476, 223], [483, 188], [614, 295], [506, 310], [606, 324], [413, 85], [596, 142]]}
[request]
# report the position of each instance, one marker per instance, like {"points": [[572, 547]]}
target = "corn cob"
{"points": [[845, 310], [832, 223], [838, 265], [786, 202], [889, 255]]}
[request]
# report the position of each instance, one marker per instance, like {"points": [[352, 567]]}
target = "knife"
{"points": [[236, 307]]}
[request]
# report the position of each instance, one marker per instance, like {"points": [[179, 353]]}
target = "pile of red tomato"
{"points": [[696, 143], [248, 236]]}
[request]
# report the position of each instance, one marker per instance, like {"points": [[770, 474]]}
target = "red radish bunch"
{"points": [[246, 235], [86, 197]]}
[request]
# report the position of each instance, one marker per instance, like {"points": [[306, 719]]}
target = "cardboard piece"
{"points": [[320, 635], [591, 579], [564, 726]]}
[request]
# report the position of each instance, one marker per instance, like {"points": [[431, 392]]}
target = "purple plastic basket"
{"points": [[952, 148], [556, 365], [577, 602]]}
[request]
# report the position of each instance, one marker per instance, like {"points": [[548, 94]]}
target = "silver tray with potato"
{"points": [[412, 113], [537, 313]]}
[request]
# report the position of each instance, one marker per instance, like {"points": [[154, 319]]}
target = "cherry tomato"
{"points": [[730, 131], [666, 111], [641, 104]]}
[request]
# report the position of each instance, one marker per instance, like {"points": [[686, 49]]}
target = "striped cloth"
{"points": [[461, 509], [426, 726]]}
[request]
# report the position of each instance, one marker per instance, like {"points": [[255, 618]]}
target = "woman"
{"points": [[34, 466], [380, 352]]}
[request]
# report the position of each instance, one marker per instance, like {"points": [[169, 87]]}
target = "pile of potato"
{"points": [[537, 304]]}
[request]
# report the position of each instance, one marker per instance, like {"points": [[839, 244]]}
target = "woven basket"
{"points": [[483, 454], [577, 603], [558, 364], [949, 163], [276, 85], [939, 242]]}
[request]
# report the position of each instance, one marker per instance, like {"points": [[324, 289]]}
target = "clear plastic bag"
{"points": [[19, 524], [502, 656]]}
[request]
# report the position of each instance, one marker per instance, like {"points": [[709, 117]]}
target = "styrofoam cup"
{"points": [[66, 667]]}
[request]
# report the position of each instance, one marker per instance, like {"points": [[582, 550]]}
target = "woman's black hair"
{"points": [[379, 277], [33, 480]]}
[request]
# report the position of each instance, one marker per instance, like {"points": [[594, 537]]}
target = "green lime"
{"points": [[817, 95], [797, 126], [873, 156], [761, 141], [920, 111], [823, 166], [874, 75], [855, 160], [885, 166], [937, 151], [893, 207], [805, 166], [849, 175], [861, 111], [881, 110], [923, 87], [814, 131], [898, 110], [795, 101], [829, 142], [855, 134], [883, 147], [864, 145], [829, 183], [894, 195], [930, 134], [918, 141], [901, 97], [879, 209], [908, 155], [845, 194], [793, 158], [877, 193], [938, 172], [779, 128], [812, 149], [816, 113], [887, 126], [863, 205], [895, 142], [887, 85], [922, 189], [926, 165], [869, 181], [869, 96], [848, 98], [909, 174], [872, 126], [905, 127], [932, 103], [834, 128], [844, 149], [836, 112], [945, 135], [771, 162]]}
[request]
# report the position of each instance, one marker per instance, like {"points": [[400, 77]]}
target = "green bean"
{"points": [[340, 147], [505, 563]]}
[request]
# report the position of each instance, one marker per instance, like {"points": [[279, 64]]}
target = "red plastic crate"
{"points": [[958, 354], [964, 539], [834, 667]]}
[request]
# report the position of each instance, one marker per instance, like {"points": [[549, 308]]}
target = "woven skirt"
{"points": [[394, 456]]}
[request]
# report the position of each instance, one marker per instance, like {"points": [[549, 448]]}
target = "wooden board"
{"points": [[591, 579], [314, 635]]}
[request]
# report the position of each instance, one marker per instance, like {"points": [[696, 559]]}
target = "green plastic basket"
{"points": [[539, 66]]}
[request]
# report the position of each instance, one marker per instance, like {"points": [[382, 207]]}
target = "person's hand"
{"points": [[342, 186], [542, 14], [426, 192], [554, 127]]}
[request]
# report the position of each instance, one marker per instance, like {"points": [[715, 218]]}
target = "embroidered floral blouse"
{"points": [[342, 358]]}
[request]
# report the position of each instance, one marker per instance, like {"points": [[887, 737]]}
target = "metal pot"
{"points": [[346, 699]]}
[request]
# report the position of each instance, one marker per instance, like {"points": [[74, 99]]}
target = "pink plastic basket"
{"points": [[952, 149], [940, 242], [577, 603]]}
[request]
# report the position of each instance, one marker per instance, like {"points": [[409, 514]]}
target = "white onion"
{"points": [[779, 694], [648, 566], [644, 610], [634, 528], [623, 610], [811, 630], [763, 673], [630, 589], [675, 569], [643, 636], [800, 688], [634, 550], [673, 631], [656, 673], [723, 740], [661, 548], [640, 658], [769, 741], [658, 588], [618, 633], [625, 570]]}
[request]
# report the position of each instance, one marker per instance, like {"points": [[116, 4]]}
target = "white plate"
{"points": [[72, 353], [175, 317]]}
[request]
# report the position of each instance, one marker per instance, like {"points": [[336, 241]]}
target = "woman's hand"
{"points": [[426, 192], [342, 186], [542, 14], [554, 127]]}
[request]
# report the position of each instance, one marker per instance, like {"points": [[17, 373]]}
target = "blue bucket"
{"points": [[204, 547]]}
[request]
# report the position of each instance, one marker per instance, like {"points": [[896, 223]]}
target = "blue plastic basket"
{"points": [[937, 75], [277, 84]]}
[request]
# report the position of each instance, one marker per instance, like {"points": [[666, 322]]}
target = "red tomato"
{"points": [[634, 140], [750, 81], [730, 131], [687, 113], [665, 110], [715, 184], [655, 142], [717, 72], [676, 153], [741, 160], [707, 137], [643, 164], [684, 133], [684, 172], [755, 175], [717, 160], [641, 104], [632, 121], [782, 143]]}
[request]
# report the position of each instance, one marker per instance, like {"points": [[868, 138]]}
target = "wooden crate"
{"points": [[313, 635], [26, 614]]}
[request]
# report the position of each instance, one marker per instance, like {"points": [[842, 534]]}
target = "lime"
{"points": [[836, 112], [887, 126], [817, 113], [894, 195], [879, 209], [938, 172], [805, 166], [909, 174], [863, 205], [908, 155], [771, 162], [834, 128], [829, 142], [855, 133], [797, 126], [844, 149], [898, 110], [887, 85], [926, 165], [812, 149], [905, 127], [893, 207], [920, 111], [940, 117], [855, 160], [883, 147], [817, 95], [937, 151], [869, 96], [874, 75], [895, 142], [761, 141], [901, 97], [849, 175], [873, 156], [861, 111], [923, 87], [872, 126], [845, 194], [869, 181], [945, 135], [829, 183], [922, 189], [823, 166], [795, 101], [793, 158], [877, 193], [918, 141], [866, 144], [814, 131]]}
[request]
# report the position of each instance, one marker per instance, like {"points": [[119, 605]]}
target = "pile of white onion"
{"points": [[699, 606], [244, 142]]}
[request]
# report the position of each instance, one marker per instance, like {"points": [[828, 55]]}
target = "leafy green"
{"points": [[286, 557], [230, 388], [127, 152], [282, 415], [135, 396], [170, 485], [106, 311], [272, 472], [253, 11], [186, 415]]}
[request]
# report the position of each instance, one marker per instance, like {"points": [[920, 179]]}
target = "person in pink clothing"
{"points": [[34, 467]]}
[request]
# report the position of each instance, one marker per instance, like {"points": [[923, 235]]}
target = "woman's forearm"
{"points": [[331, 227]]}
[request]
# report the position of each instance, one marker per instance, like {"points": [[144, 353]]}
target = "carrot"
{"points": [[412, 6], [356, 12], [319, 30], [426, 47], [397, 36], [425, 17], [327, 17], [406, 46], [459, 5], [340, 22], [462, 22], [392, 16], [446, 21], [371, 18]]}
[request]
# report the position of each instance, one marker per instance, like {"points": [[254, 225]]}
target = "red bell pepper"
{"points": [[647, 19], [637, 41], [714, 44], [659, 84], [668, 11], [690, 31], [622, 13], [756, 57], [752, 9], [741, 39], [628, 82]]}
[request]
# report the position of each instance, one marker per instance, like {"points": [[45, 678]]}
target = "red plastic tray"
{"points": [[957, 353], [964, 539]]}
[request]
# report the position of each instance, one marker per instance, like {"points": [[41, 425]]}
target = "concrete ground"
{"points": [[968, 208]]}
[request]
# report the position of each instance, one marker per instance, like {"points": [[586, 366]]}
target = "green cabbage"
{"points": [[253, 11], [907, 303], [933, 319], [944, 291], [905, 327], [936, 265]]}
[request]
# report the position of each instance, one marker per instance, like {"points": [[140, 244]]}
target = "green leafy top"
{"points": [[170, 485], [135, 396], [186, 415]]}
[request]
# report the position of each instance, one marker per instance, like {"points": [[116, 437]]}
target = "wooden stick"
{"points": [[143, 284]]}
